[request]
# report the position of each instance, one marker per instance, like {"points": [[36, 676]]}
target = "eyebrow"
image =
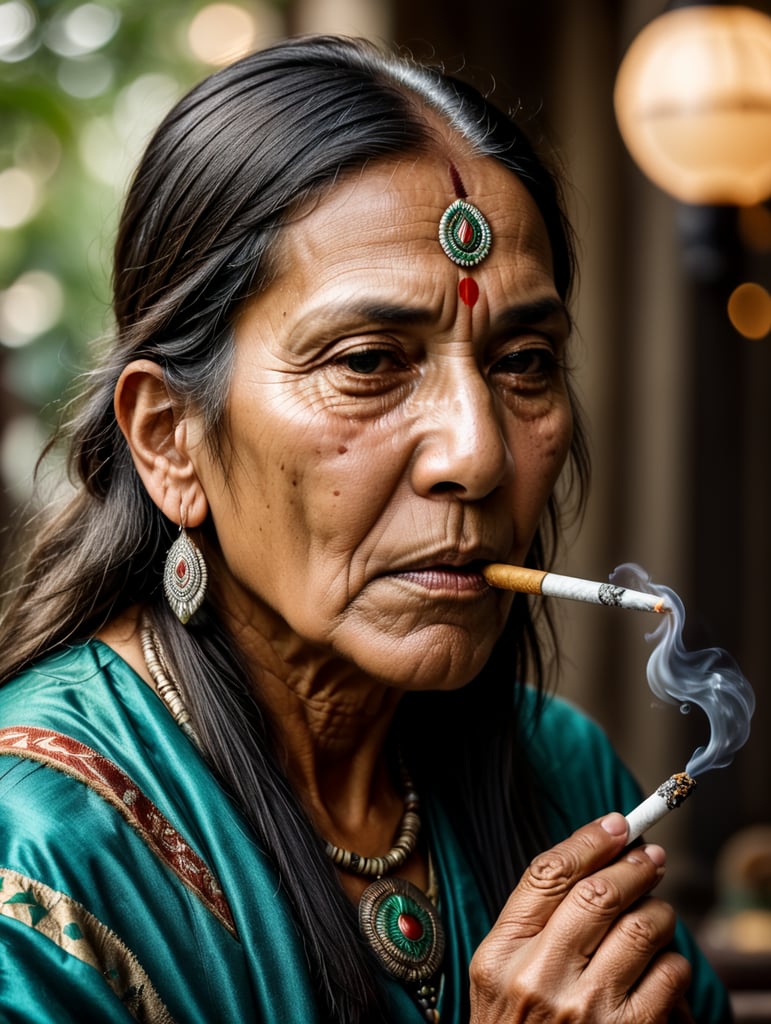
{"points": [[527, 314], [384, 313], [352, 315], [521, 314]]}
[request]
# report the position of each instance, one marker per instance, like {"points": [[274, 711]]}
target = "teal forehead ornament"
{"points": [[464, 234]]}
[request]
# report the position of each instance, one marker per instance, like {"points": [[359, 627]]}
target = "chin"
{"points": [[415, 667]]}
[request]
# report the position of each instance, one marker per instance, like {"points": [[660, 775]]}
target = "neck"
{"points": [[332, 724]]}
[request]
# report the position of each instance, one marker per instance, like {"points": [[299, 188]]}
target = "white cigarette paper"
{"points": [[550, 584], [667, 797]]}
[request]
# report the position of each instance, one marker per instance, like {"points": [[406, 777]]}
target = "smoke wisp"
{"points": [[708, 679]]}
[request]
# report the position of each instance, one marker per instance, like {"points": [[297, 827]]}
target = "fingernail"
{"points": [[656, 853], [615, 824]]}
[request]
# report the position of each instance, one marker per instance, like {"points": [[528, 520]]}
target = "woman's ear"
{"points": [[160, 442]]}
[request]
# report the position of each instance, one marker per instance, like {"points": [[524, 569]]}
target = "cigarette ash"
{"points": [[676, 789], [709, 679]]}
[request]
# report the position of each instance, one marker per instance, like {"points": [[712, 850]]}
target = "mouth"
{"points": [[465, 578]]}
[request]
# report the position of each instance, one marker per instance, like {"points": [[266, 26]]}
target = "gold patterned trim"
{"points": [[72, 928]]}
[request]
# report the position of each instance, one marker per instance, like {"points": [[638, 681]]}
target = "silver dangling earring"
{"points": [[184, 575]]}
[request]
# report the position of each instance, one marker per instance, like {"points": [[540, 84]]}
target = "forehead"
{"points": [[387, 215]]}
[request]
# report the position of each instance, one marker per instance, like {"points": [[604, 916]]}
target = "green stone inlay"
{"points": [[464, 234]]}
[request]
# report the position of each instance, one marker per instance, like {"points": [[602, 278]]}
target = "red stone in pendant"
{"points": [[181, 569], [410, 927]]}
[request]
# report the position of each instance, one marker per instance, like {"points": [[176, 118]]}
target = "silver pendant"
{"points": [[403, 928]]}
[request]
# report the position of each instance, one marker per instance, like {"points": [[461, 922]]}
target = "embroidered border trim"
{"points": [[111, 783], [76, 931]]}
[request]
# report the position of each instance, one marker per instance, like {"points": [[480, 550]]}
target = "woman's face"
{"points": [[394, 422]]}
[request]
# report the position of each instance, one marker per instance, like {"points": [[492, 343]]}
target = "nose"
{"points": [[463, 449]]}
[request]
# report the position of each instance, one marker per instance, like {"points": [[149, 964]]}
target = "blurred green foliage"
{"points": [[70, 118]]}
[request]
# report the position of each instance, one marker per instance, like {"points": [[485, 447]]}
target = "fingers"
{"points": [[591, 909], [554, 873], [581, 938], [661, 990], [633, 942]]}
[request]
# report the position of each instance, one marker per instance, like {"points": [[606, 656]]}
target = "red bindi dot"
{"points": [[468, 290]]}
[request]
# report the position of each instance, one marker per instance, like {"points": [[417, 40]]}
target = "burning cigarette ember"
{"points": [[537, 581], [667, 797]]}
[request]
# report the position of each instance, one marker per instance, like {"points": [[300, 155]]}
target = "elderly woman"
{"points": [[265, 755]]}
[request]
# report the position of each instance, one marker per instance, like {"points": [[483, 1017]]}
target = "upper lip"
{"points": [[471, 559]]}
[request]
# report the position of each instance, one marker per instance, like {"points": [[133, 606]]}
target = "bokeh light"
{"points": [[693, 103], [81, 31], [20, 445], [109, 145], [30, 307], [221, 33], [749, 310], [38, 150], [85, 77], [101, 151], [20, 197], [17, 30]]}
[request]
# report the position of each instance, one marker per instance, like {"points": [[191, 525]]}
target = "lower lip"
{"points": [[443, 580]]}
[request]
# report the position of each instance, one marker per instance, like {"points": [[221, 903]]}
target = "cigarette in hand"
{"points": [[666, 798], [550, 584]]}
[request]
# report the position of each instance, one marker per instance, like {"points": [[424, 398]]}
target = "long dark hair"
{"points": [[226, 168]]}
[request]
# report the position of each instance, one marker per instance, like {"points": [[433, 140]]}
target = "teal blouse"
{"points": [[131, 889]]}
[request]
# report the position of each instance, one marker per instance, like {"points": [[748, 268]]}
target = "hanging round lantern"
{"points": [[693, 104]]}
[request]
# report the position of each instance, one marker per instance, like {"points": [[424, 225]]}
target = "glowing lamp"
{"points": [[749, 310], [693, 104]]}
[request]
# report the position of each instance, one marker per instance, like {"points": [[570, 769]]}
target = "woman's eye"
{"points": [[368, 361], [527, 362]]}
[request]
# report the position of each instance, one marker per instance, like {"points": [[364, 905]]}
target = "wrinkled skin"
{"points": [[380, 428]]}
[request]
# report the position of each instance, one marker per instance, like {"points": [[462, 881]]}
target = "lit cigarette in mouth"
{"points": [[550, 584], [667, 797]]}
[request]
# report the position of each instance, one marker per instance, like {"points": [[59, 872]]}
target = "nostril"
{"points": [[447, 487]]}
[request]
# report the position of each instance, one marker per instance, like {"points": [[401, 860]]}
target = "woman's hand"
{"points": [[580, 939]]}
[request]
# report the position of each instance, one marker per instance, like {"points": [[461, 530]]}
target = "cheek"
{"points": [[539, 459], [555, 443], [348, 483]]}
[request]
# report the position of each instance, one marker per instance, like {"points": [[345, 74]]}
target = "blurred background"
{"points": [[676, 384]]}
